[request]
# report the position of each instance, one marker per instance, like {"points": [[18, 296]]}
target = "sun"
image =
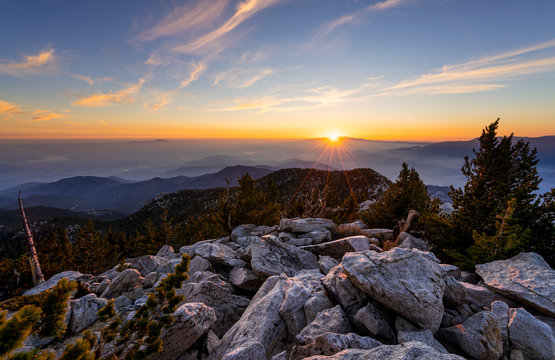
{"points": [[333, 137]]}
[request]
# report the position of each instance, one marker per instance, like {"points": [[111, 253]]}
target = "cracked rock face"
{"points": [[275, 314], [336, 249], [531, 336], [272, 257], [526, 278], [306, 225], [192, 320], [408, 281], [412, 350], [479, 336]]}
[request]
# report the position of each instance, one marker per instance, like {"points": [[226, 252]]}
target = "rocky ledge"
{"points": [[299, 290]]}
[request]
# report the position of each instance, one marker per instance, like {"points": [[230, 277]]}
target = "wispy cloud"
{"points": [[8, 109], [124, 96], [242, 78], [313, 98], [44, 62], [158, 101], [484, 74], [353, 18], [85, 78], [185, 19], [244, 11], [197, 70], [45, 115]]}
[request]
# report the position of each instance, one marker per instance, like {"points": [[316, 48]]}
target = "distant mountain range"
{"points": [[84, 193]]}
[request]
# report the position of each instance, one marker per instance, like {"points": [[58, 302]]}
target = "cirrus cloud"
{"points": [[124, 96], [44, 62]]}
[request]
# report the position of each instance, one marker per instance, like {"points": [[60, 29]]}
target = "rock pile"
{"points": [[299, 290]]}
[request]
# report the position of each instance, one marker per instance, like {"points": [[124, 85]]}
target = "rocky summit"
{"points": [[300, 290]]}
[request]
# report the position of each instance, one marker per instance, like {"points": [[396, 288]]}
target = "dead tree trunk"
{"points": [[30, 246]]}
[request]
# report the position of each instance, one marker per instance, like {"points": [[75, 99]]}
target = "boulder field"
{"points": [[300, 290]]}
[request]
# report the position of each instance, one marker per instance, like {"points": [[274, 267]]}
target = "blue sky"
{"points": [[393, 69]]}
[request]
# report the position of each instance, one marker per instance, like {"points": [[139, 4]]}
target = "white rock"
{"points": [[306, 225], [330, 320], [530, 335], [350, 297], [525, 278], [424, 336], [479, 336], [412, 350], [330, 343], [128, 280], [336, 249], [84, 312], [192, 320], [50, 283], [271, 257], [408, 281]]}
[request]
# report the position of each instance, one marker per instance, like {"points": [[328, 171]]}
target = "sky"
{"points": [[419, 70]]}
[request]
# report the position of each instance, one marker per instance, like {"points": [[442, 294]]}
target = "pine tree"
{"points": [[407, 193], [500, 172], [138, 337], [46, 321]]}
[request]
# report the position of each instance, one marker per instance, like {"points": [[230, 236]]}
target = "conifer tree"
{"points": [[500, 172], [47, 321], [407, 193], [139, 337]]}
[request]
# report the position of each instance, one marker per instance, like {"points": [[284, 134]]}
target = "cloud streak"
{"points": [[44, 115], [8, 109], [186, 18], [242, 78], [244, 11], [124, 96], [353, 18], [44, 62], [484, 74], [197, 70]]}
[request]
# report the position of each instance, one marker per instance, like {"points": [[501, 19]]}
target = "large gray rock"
{"points": [[302, 299], [199, 264], [192, 320], [330, 343], [330, 320], [412, 350], [147, 263], [350, 297], [219, 254], [306, 225], [326, 263], [50, 283], [242, 231], [84, 311], [374, 320], [381, 234], [526, 278], [424, 336], [274, 315], [479, 336], [530, 335], [127, 281], [459, 292], [166, 251], [336, 249], [501, 312], [227, 306], [272, 257], [245, 279], [407, 241], [408, 281]]}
